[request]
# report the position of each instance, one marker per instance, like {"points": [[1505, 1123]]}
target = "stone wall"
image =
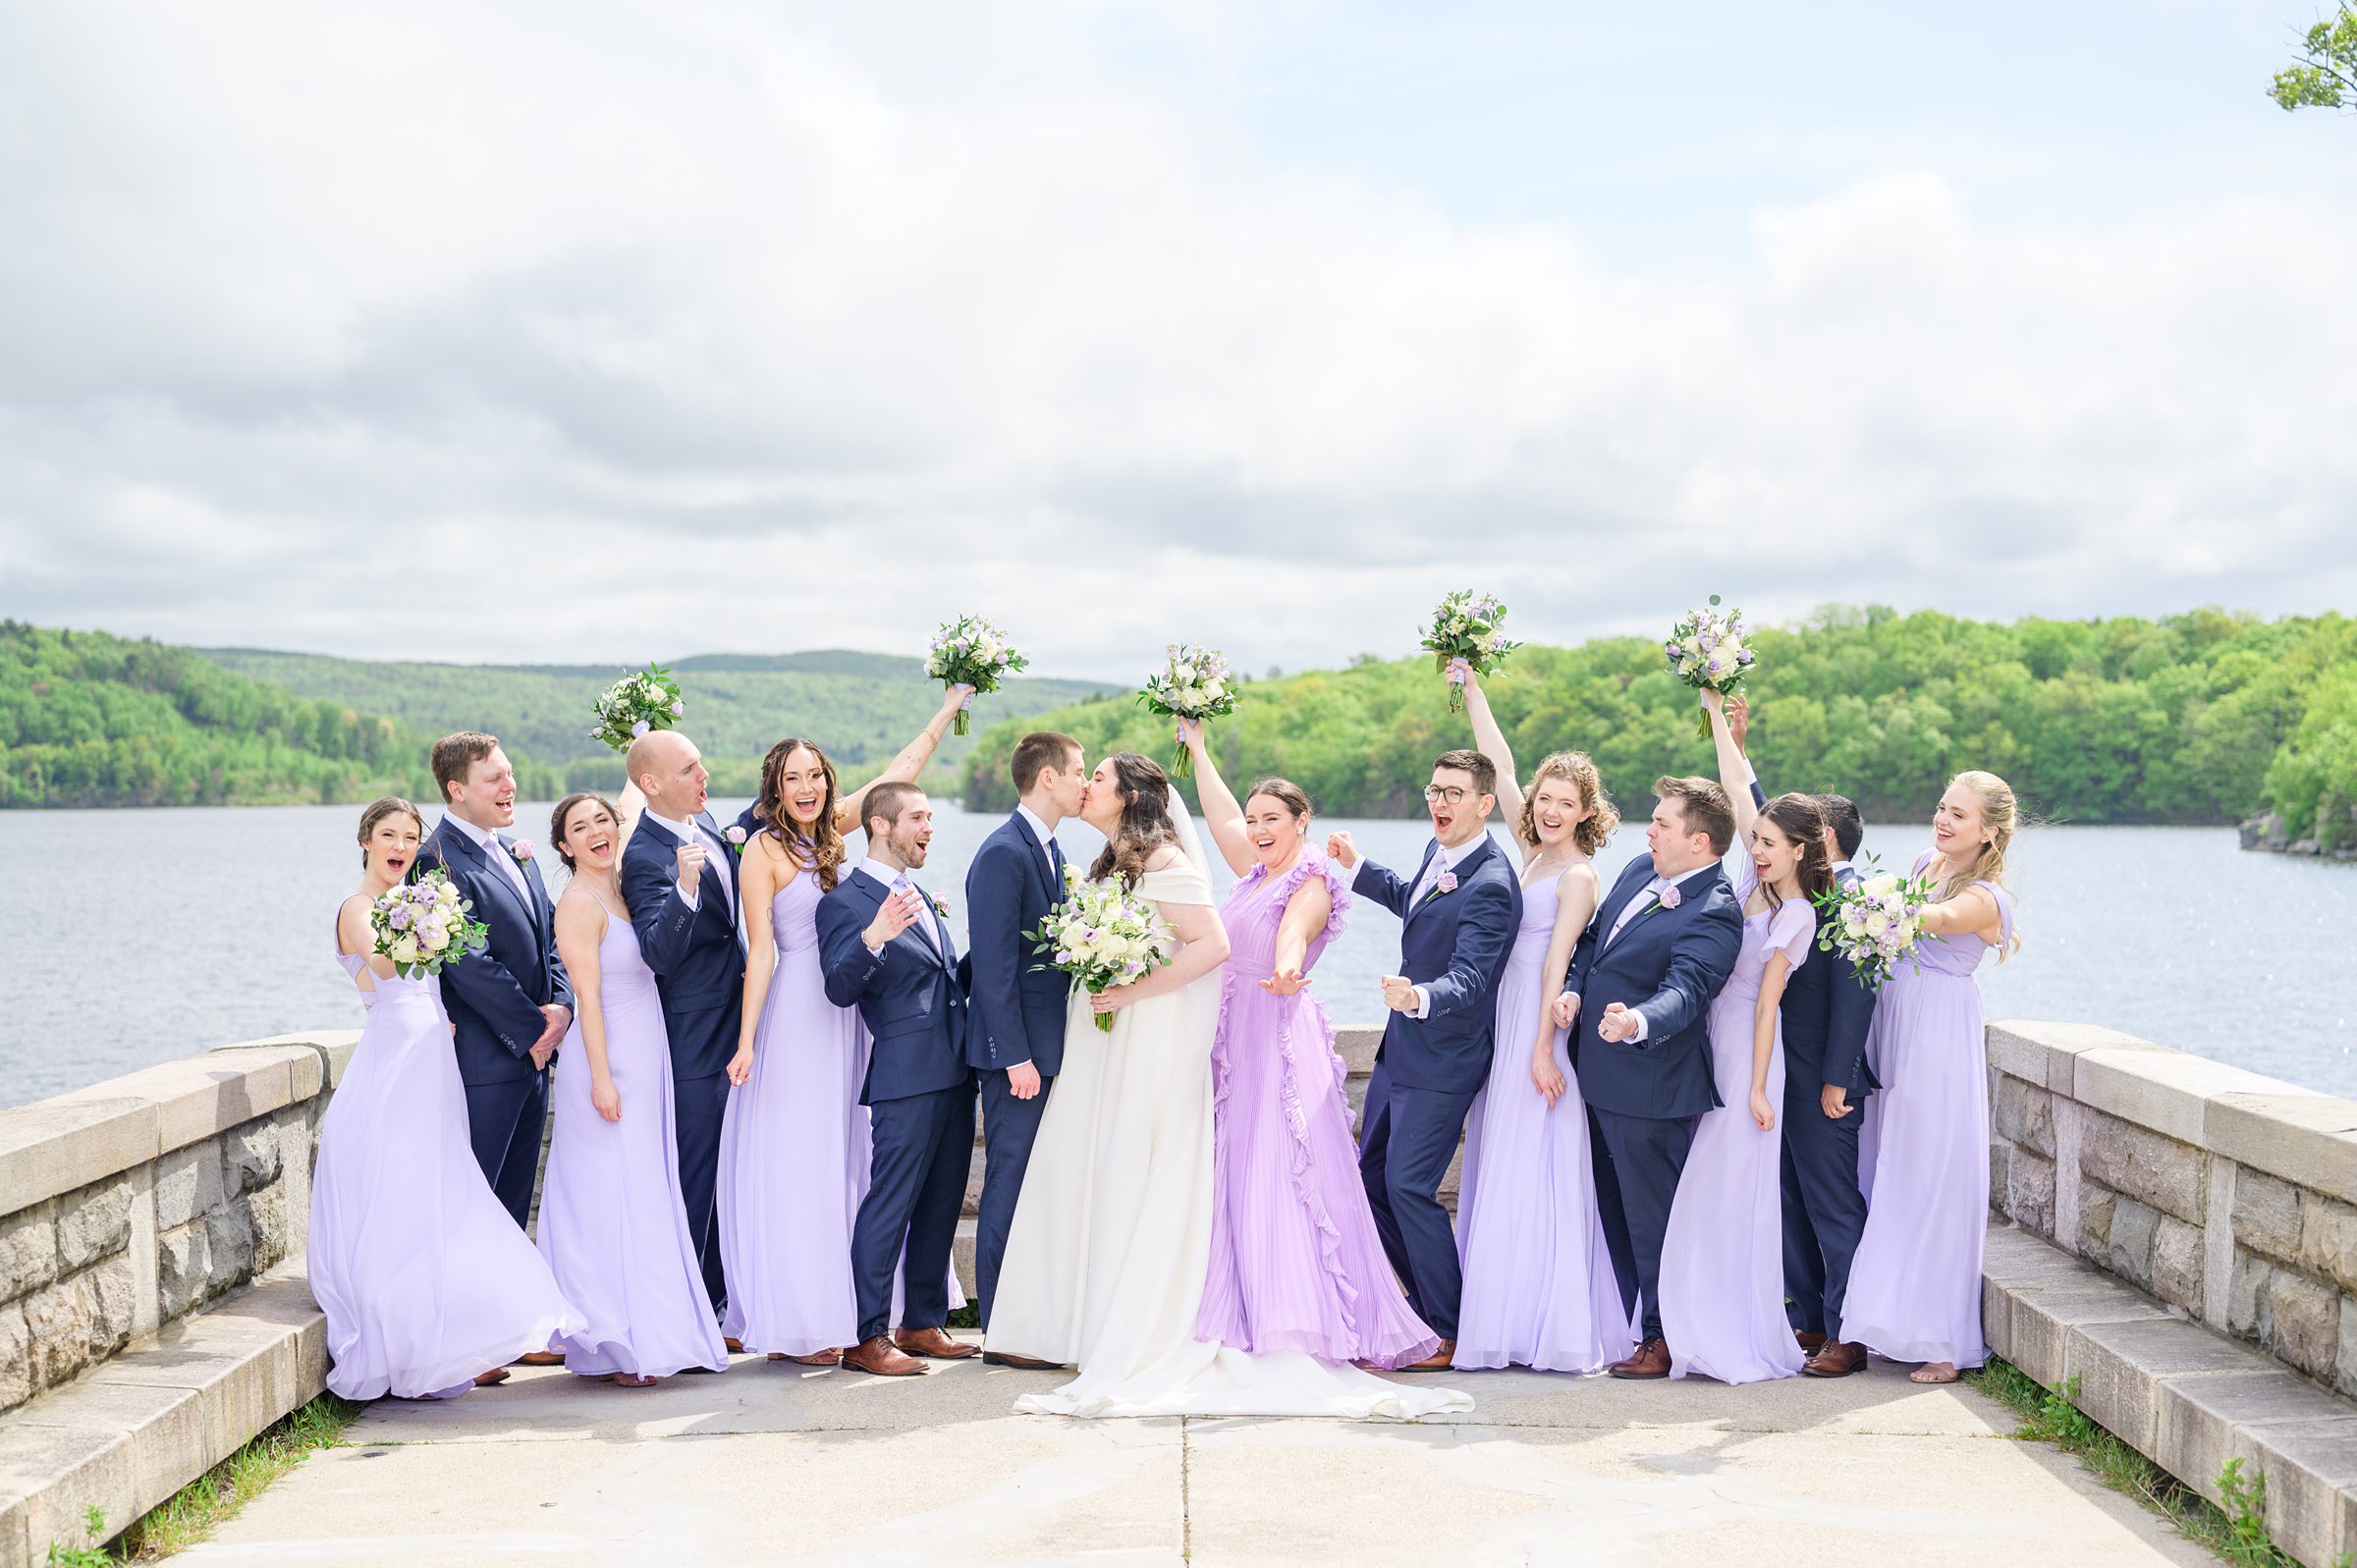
{"points": [[133, 1203], [2226, 1195]]}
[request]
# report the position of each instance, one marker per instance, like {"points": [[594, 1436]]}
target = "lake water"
{"points": [[131, 937]]}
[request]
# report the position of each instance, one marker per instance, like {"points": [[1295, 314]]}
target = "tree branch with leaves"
{"points": [[2326, 78]]}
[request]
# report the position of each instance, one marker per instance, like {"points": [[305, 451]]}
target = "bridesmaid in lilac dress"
{"points": [[793, 1145], [613, 1227], [1538, 1284], [1915, 1286], [1297, 1265], [427, 1284], [1722, 1259]]}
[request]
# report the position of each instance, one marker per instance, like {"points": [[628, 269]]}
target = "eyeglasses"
{"points": [[1435, 794]]}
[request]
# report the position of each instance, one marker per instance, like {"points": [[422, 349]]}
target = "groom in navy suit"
{"points": [[1014, 1039], [511, 1003], [884, 948], [1826, 1013], [1458, 919], [679, 876], [1638, 1000]]}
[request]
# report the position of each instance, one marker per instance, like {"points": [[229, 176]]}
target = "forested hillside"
{"points": [[2198, 718], [862, 707], [93, 719]]}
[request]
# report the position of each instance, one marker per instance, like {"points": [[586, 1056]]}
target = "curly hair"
{"points": [[819, 850], [1145, 824], [1575, 770]]}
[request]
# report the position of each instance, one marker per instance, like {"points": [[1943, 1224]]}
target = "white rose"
{"points": [[405, 951], [1217, 689], [1876, 923], [1879, 886]]}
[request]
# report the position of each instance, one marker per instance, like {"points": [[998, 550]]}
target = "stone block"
{"points": [[27, 1250], [1358, 1048], [267, 1212], [183, 1267], [243, 1370], [2168, 1092], [284, 1305], [2329, 1241], [2169, 1176], [58, 1321], [55, 1146], [2095, 1202], [2129, 1253], [2023, 1112], [2122, 1367], [2048, 1053], [2178, 1255], [2210, 1418], [2307, 1323], [229, 1248], [114, 1305], [164, 1427], [249, 1157], [93, 1222], [2250, 1299], [2304, 1138], [187, 1184], [2029, 1190], [16, 1357], [2310, 1471], [2039, 1320], [2267, 1214], [62, 1475]]}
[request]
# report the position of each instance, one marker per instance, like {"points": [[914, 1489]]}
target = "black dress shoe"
{"points": [[1007, 1358]]}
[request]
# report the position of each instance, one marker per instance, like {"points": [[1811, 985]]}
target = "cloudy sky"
{"points": [[601, 331]]}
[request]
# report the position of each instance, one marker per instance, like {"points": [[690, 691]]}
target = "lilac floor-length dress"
{"points": [[794, 1155], [1295, 1260], [1538, 1284], [1723, 1258], [1915, 1286], [611, 1223], [424, 1277]]}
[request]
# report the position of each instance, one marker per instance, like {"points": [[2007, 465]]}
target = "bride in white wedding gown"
{"points": [[1112, 1235]]}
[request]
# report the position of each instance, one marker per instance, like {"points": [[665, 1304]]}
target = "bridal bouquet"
{"points": [[1196, 684], [971, 652], [1464, 631], [1102, 935], [423, 926], [1874, 922], [635, 704], [1707, 650]]}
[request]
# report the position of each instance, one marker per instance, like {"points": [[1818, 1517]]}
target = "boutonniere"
{"points": [[940, 905], [1446, 882], [1668, 897], [736, 835], [521, 850]]}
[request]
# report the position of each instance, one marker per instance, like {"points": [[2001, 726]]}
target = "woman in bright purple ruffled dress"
{"points": [[427, 1284], [1297, 1265], [1915, 1286]]}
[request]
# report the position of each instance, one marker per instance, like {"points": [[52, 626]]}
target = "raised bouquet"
{"points": [[1874, 922], [971, 652], [1102, 935], [423, 926], [1708, 652], [1195, 684], [635, 704], [1464, 633]]}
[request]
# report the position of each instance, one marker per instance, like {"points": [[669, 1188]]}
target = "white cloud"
{"points": [[601, 332]]}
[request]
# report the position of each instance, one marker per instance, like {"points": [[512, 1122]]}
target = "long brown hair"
{"points": [[1575, 770], [1802, 822], [821, 849], [1145, 824]]}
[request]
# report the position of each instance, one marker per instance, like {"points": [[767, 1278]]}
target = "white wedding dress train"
{"points": [[1112, 1235]]}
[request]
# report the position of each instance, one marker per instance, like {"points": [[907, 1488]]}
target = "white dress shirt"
{"points": [[893, 878], [716, 853], [1446, 859], [488, 841]]}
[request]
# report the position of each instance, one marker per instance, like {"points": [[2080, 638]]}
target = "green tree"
{"points": [[2327, 76]]}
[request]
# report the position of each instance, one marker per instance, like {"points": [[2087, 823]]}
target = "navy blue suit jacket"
{"points": [[912, 1000], [697, 954], [1826, 1010], [1667, 964], [1454, 944], [1018, 1003], [494, 996]]}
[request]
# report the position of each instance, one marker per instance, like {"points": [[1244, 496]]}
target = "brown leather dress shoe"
{"points": [[1438, 1361], [877, 1356], [541, 1357], [934, 1343], [1809, 1339], [1836, 1359], [1652, 1360], [736, 1346], [1007, 1358]]}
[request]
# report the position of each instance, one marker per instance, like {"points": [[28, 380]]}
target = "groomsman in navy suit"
{"points": [[1638, 1000], [679, 876], [885, 949], [1457, 918], [511, 1003], [1014, 1039], [1827, 1011]]}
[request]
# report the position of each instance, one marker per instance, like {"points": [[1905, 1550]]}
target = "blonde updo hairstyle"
{"points": [[2000, 814], [1575, 768]]}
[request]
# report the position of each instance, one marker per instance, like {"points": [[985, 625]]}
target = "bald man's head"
{"points": [[669, 771]]}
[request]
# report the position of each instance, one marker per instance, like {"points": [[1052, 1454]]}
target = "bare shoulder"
{"points": [[1164, 858]]}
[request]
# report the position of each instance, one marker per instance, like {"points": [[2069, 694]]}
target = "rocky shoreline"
{"points": [[2267, 831]]}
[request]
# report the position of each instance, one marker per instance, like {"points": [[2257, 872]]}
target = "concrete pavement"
{"points": [[780, 1464]]}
